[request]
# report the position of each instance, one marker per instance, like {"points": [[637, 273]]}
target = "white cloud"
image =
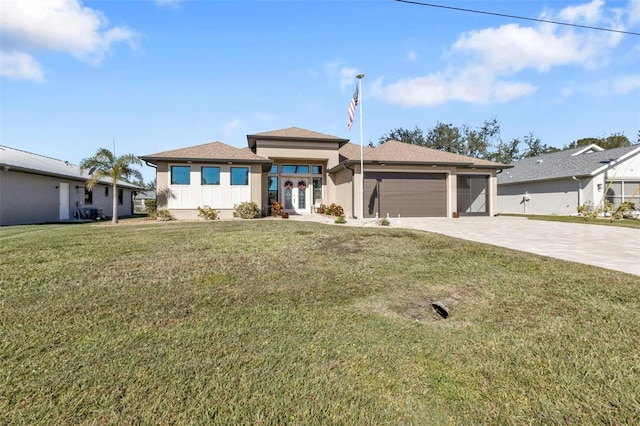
{"points": [[626, 84], [511, 48], [588, 13], [483, 63], [31, 26], [471, 85], [20, 66], [412, 56]]}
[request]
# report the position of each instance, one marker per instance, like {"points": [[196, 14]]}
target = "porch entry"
{"points": [[473, 195], [296, 194], [296, 186]]}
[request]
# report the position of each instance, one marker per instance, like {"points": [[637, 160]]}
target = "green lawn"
{"points": [[284, 322]]}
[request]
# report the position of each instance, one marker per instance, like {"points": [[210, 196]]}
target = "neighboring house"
{"points": [[558, 183], [301, 169], [139, 206], [38, 189]]}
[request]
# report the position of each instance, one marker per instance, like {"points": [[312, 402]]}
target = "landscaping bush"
{"points": [[276, 209], [334, 210], [341, 219], [383, 222], [208, 213], [246, 210], [163, 215], [152, 207]]}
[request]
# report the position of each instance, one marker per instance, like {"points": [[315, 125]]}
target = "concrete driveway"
{"points": [[609, 247]]}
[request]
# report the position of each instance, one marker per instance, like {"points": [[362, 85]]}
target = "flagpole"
{"points": [[360, 77]]}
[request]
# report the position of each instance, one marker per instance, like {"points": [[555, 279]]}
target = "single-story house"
{"points": [[39, 189], [139, 201], [301, 169], [557, 183]]}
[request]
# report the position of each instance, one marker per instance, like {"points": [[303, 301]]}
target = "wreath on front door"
{"points": [[288, 185], [302, 185]]}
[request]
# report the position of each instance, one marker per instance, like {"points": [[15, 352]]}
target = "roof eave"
{"points": [[154, 160], [420, 163], [253, 139], [68, 177]]}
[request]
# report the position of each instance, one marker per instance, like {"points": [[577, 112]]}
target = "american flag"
{"points": [[352, 106]]}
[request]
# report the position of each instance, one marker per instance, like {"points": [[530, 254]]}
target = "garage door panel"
{"points": [[405, 194]]}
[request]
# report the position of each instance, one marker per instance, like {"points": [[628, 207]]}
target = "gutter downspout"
{"points": [[353, 173], [579, 189]]}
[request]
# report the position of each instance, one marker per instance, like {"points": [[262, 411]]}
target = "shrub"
{"points": [[163, 215], [341, 219], [334, 210], [208, 213], [152, 207], [276, 209], [246, 210], [383, 222]]}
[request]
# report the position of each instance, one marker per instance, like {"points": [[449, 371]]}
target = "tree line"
{"points": [[485, 141]]}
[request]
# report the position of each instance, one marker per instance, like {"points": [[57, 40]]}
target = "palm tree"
{"points": [[106, 165]]}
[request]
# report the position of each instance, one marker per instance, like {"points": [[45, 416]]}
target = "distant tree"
{"points": [[104, 164], [446, 137], [478, 142], [614, 140], [535, 147], [412, 137], [506, 152]]}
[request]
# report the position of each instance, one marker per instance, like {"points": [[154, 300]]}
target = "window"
{"points": [[274, 169], [291, 169], [317, 189], [210, 176], [273, 189], [106, 191], [316, 170], [239, 176], [88, 196], [120, 196], [180, 175]]}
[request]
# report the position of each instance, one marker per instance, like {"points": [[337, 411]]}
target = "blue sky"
{"points": [[159, 75]]}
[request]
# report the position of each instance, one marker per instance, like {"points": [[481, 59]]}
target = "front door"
{"points": [[296, 195]]}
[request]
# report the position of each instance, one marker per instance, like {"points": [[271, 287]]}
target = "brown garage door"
{"points": [[405, 194]]}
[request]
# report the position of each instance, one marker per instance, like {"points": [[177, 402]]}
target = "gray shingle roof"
{"points": [[29, 162], [582, 161]]}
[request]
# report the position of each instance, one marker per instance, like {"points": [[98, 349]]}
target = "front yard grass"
{"points": [[284, 322]]}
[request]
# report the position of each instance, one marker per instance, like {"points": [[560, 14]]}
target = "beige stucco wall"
{"points": [[31, 198], [342, 193], [194, 194], [315, 152]]}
